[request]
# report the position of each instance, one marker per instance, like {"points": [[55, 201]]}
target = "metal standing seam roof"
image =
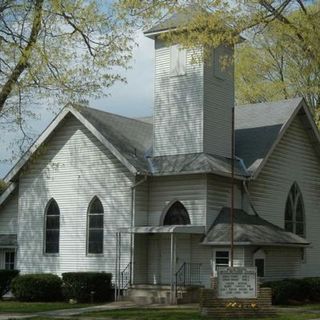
{"points": [[249, 230]]}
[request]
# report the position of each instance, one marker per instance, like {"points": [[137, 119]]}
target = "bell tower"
{"points": [[193, 100]]}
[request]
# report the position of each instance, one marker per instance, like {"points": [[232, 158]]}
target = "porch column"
{"points": [[172, 267]]}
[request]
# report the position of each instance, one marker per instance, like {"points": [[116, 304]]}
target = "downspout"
{"points": [[132, 220]]}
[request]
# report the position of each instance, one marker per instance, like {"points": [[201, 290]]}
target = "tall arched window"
{"points": [[52, 227], [95, 226], [294, 214], [176, 215]]}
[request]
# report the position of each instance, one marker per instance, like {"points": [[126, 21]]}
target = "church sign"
{"points": [[237, 282]]}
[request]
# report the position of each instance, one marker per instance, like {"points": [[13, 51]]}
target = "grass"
{"points": [[140, 313], [180, 314], [32, 307]]}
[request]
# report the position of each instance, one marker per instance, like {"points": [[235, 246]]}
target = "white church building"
{"points": [[148, 200]]}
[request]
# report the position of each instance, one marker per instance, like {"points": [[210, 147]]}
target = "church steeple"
{"points": [[193, 100]]}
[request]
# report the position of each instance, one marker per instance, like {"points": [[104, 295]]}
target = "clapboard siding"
{"points": [[178, 105], [141, 204], [217, 105], [219, 196], [188, 189], [294, 159], [9, 214], [74, 168], [281, 263], [140, 270]]}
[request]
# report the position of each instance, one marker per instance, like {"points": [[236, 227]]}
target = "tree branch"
{"points": [[25, 55]]}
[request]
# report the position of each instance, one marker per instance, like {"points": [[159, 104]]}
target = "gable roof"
{"points": [[249, 230], [259, 127], [177, 19], [124, 137]]}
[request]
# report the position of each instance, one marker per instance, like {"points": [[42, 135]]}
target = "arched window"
{"points": [[294, 214], [176, 215], [95, 227], [52, 227]]}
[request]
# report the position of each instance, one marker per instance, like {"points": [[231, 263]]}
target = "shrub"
{"points": [[6, 277], [37, 287], [80, 285], [289, 291]]}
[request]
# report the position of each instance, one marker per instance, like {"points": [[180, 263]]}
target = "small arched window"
{"points": [[176, 215], [52, 227], [95, 227], [294, 214]]}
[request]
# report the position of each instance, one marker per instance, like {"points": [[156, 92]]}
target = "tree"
{"points": [[282, 34], [271, 67], [54, 51]]}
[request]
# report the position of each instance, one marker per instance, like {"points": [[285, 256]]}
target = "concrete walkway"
{"points": [[66, 313]]}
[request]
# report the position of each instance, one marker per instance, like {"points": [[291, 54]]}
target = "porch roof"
{"points": [[250, 230], [186, 229], [8, 241]]}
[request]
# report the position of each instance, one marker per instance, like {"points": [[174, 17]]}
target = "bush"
{"points": [[79, 285], [292, 291], [37, 287], [6, 277]]}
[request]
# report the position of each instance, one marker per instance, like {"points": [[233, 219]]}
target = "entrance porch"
{"points": [[168, 263]]}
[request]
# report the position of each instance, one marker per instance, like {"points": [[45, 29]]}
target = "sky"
{"points": [[132, 99]]}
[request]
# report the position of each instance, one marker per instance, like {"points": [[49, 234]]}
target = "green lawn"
{"points": [[31, 307], [179, 314]]}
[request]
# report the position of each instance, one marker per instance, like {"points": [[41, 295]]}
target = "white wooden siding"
{"points": [[178, 105], [192, 112], [9, 214], [140, 273], [219, 196], [74, 168], [141, 204], [189, 189], [294, 159], [218, 100]]}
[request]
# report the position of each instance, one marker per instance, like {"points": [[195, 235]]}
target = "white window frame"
{"points": [[88, 253], [214, 265], [260, 255], [9, 263], [45, 253], [178, 61]]}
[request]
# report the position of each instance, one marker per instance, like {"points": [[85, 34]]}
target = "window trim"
{"points": [[45, 253], [295, 197], [214, 265], [181, 58], [90, 254], [14, 259], [260, 254], [168, 208]]}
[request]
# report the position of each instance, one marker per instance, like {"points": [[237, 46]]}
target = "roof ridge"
{"points": [[109, 113]]}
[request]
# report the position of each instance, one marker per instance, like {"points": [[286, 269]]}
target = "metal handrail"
{"points": [[125, 277], [189, 274]]}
